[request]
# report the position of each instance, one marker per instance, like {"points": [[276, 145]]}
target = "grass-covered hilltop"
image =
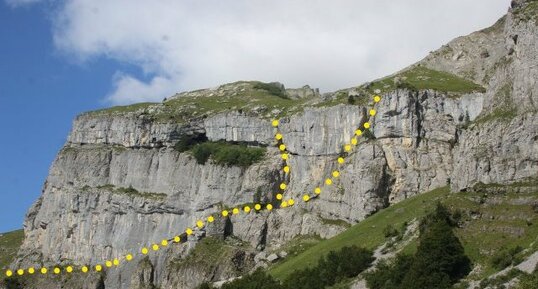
{"points": [[252, 185]]}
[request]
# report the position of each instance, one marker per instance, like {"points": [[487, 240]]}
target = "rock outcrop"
{"points": [[118, 184]]}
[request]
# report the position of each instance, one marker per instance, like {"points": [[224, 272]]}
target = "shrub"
{"points": [[257, 280], [273, 88], [227, 154], [187, 142], [528, 281], [389, 274], [505, 258], [336, 266], [389, 231], [440, 260], [438, 263]]}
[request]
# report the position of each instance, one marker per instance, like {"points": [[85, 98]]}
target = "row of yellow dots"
{"points": [[225, 213], [284, 155], [347, 148]]}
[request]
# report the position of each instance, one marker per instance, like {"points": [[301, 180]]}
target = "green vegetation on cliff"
{"points": [[266, 100], [9, 245], [492, 218], [221, 152], [422, 78]]}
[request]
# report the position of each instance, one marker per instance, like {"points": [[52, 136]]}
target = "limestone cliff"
{"points": [[118, 184]]}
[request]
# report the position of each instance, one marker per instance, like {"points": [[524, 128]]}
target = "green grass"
{"points": [[334, 222], [9, 245], [528, 13], [240, 96], [125, 108], [422, 78], [299, 244], [208, 254], [502, 114], [343, 97], [368, 233], [504, 223]]}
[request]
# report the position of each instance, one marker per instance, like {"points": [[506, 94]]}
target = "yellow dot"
{"points": [[317, 190], [283, 186], [57, 270], [279, 196], [210, 219], [328, 182], [336, 174], [164, 243], [274, 123], [269, 207], [278, 136], [372, 112], [177, 239], [366, 125], [200, 224], [246, 209], [84, 269], [354, 141], [145, 251], [235, 211], [188, 231], [109, 263], [284, 156], [257, 207], [129, 257], [284, 204], [286, 169], [20, 272], [9, 273], [282, 147], [116, 262], [377, 98], [31, 270], [224, 213], [154, 247], [69, 269], [358, 132], [43, 270], [347, 148], [98, 268], [340, 160], [306, 198], [291, 202]]}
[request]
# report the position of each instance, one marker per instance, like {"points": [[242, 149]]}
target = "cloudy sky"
{"points": [[61, 57], [184, 45]]}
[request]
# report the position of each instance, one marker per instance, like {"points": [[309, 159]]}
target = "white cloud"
{"points": [[189, 44]]}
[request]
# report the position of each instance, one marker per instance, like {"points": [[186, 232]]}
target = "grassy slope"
{"points": [[368, 233], [421, 78], [506, 220], [245, 96], [9, 244], [414, 78], [242, 95]]}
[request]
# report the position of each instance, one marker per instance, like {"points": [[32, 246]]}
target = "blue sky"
{"points": [[59, 58], [41, 91]]}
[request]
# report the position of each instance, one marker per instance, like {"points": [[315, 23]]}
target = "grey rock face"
{"points": [[119, 185]]}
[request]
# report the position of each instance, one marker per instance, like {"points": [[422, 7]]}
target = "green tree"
{"points": [[440, 260], [389, 274], [257, 280]]}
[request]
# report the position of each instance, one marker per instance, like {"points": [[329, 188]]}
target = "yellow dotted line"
{"points": [[347, 148], [200, 224], [285, 155]]}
